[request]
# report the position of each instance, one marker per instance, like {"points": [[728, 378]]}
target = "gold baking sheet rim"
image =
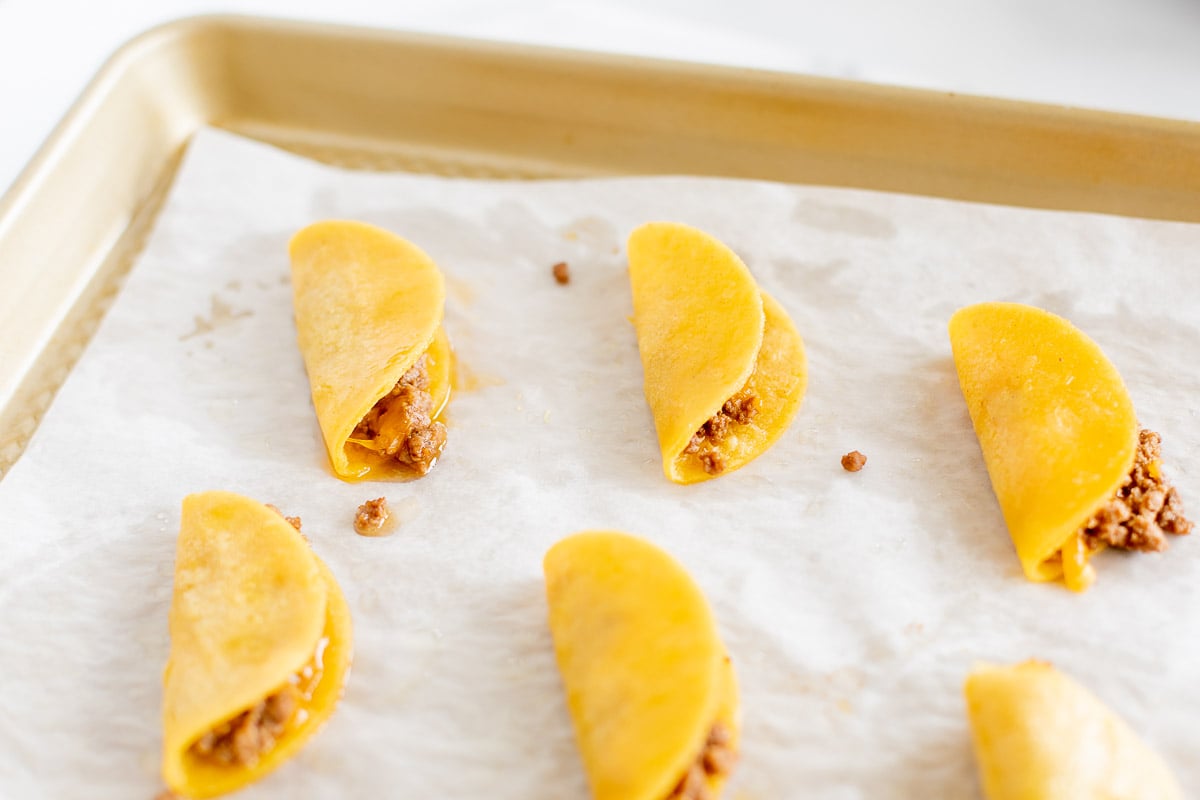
{"points": [[77, 217]]}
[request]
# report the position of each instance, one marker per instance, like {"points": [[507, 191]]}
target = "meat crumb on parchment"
{"points": [[372, 516], [853, 461], [562, 273]]}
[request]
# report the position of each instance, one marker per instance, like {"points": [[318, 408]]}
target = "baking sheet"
{"points": [[853, 605]]}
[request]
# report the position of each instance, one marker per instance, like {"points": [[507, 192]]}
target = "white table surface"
{"points": [[1140, 56]]}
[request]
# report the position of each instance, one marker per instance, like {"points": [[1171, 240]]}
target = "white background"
{"points": [[1130, 55]]}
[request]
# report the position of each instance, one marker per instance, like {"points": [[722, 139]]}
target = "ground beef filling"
{"points": [[1143, 510], [401, 425], [738, 410], [247, 737], [715, 760]]}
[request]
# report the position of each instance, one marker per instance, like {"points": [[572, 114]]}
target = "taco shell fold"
{"points": [[368, 305], [706, 332], [252, 607], [1055, 423], [645, 673], [1039, 735]]}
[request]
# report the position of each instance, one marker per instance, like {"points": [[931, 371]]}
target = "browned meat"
{"points": [[741, 408], [719, 757], [738, 410], [713, 462], [692, 786], [400, 424], [293, 521], [371, 516], [853, 461], [562, 273], [716, 759], [1144, 509], [245, 738]]}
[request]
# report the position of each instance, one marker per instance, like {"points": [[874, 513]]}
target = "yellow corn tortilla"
{"points": [[1039, 735], [368, 305], [1056, 426], [252, 605], [705, 331], [645, 673]]}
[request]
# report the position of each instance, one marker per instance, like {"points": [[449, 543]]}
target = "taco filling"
{"points": [[247, 737], [1144, 509], [705, 442], [715, 762], [400, 426]]}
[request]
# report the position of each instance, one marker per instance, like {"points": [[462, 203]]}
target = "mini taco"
{"points": [[724, 366], [1039, 735], [1073, 471], [651, 691], [260, 646], [369, 309]]}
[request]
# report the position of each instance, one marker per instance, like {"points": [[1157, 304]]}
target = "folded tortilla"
{"points": [[1039, 735], [707, 332], [1056, 426], [646, 676], [253, 611], [368, 305]]}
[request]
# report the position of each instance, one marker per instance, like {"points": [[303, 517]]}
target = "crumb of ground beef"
{"points": [[853, 461], [400, 424], [371, 516], [562, 273], [245, 738], [713, 462], [719, 756], [1144, 509], [717, 759], [737, 410], [293, 521]]}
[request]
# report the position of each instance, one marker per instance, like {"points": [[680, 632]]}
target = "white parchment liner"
{"points": [[853, 604]]}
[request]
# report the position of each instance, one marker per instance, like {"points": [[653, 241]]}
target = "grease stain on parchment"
{"points": [[467, 379], [844, 219], [220, 315]]}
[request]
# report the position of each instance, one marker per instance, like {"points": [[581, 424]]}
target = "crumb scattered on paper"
{"points": [[562, 273], [853, 461], [372, 517]]}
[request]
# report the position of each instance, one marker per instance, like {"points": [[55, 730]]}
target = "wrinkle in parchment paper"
{"points": [[853, 605]]}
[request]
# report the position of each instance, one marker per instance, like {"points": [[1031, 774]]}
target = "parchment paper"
{"points": [[853, 604]]}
